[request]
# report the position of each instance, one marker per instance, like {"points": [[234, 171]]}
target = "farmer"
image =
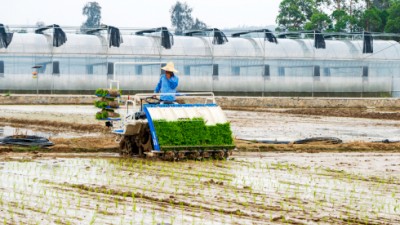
{"points": [[167, 84]]}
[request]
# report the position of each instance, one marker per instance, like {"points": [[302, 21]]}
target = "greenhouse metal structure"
{"points": [[247, 63]]}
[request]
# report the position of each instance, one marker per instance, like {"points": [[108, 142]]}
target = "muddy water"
{"points": [[251, 189], [61, 113], [287, 127], [245, 125], [9, 131]]}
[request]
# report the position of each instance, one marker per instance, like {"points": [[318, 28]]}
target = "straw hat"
{"points": [[170, 67]]}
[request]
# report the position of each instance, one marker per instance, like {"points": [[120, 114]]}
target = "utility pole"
{"points": [[35, 75]]}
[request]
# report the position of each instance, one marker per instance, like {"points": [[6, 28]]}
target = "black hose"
{"points": [[331, 140], [386, 141], [273, 142], [26, 140], [268, 141]]}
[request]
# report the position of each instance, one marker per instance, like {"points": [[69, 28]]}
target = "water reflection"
{"points": [[9, 131]]}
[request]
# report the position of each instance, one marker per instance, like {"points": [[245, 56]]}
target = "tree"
{"points": [[349, 15], [93, 12], [346, 5], [372, 20], [327, 3], [376, 15], [355, 21], [393, 22], [181, 17], [40, 24], [339, 15], [319, 21], [381, 4], [294, 14], [341, 19], [199, 25]]}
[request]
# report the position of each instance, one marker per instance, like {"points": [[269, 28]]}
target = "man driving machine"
{"points": [[167, 84]]}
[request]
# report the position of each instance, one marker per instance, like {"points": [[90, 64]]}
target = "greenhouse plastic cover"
{"points": [[30, 43]]}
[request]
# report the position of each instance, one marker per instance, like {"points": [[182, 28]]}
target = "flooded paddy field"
{"points": [[283, 185], [274, 125], [43, 132], [280, 126], [252, 188]]}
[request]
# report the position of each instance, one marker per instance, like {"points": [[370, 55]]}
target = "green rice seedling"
{"points": [[49, 209], [79, 202], [192, 132], [93, 219]]}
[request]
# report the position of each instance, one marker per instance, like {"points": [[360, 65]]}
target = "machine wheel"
{"points": [[144, 141], [205, 155], [179, 155], [169, 156], [219, 155], [194, 155], [128, 146], [227, 153]]}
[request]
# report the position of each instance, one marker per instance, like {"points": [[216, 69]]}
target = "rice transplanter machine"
{"points": [[196, 128]]}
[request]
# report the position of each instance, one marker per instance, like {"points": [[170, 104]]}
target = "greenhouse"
{"points": [[255, 64]]}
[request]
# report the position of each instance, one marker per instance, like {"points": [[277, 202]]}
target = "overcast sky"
{"points": [[140, 13]]}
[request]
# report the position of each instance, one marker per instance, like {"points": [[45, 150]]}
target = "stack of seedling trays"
{"points": [[108, 104]]}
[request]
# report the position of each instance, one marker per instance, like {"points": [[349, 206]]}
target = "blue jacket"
{"points": [[167, 86]]}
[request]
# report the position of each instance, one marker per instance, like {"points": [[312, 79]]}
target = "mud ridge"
{"points": [[56, 124], [384, 114], [317, 147], [103, 189]]}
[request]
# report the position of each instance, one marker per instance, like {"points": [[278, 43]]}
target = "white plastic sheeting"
{"points": [[29, 43], [211, 114], [240, 65]]}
